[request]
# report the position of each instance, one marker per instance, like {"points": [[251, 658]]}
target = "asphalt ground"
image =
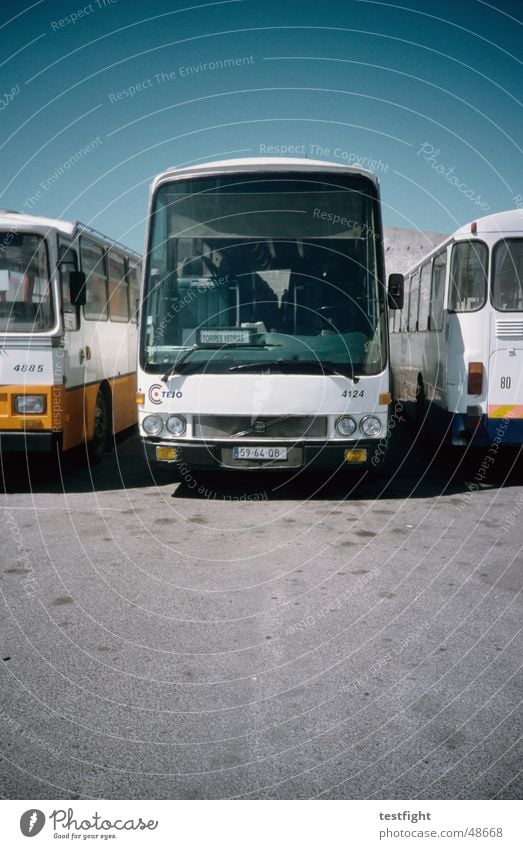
{"points": [[336, 637]]}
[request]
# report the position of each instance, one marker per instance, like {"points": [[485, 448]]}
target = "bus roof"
{"points": [[25, 221], [497, 224], [263, 164], [38, 223], [510, 221]]}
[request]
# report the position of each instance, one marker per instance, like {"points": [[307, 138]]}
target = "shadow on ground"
{"points": [[414, 468]]}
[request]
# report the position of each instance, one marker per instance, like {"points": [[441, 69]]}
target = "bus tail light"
{"points": [[475, 379]]}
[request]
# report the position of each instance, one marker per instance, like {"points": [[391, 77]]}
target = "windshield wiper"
{"points": [[211, 346], [326, 367]]}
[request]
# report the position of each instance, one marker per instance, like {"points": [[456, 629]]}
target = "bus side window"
{"points": [[424, 298], [68, 261], [405, 309], [118, 283], [413, 302], [93, 265], [468, 276], [397, 321], [437, 294]]}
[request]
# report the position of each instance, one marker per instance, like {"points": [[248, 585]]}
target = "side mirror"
{"points": [[395, 291], [77, 291]]}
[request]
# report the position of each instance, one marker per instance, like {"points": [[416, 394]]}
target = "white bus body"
{"points": [[263, 339], [67, 359], [457, 345]]}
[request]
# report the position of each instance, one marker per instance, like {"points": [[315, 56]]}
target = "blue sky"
{"points": [[97, 97]]}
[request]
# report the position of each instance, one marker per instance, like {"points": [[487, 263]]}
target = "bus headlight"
{"points": [[370, 426], [176, 424], [26, 404], [152, 425], [345, 426]]}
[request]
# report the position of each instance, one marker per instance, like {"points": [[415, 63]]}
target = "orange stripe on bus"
{"points": [[505, 411], [70, 410], [9, 420]]}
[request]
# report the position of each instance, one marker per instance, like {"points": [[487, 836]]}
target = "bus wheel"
{"points": [[98, 445]]}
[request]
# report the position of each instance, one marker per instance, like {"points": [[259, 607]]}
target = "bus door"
{"points": [[69, 358], [438, 335]]}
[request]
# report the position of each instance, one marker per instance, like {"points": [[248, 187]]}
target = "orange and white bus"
{"points": [[68, 300]]}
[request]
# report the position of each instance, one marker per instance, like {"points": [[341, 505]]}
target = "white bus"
{"points": [[263, 339], [457, 344], [68, 299]]}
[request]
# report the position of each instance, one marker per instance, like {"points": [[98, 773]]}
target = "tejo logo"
{"points": [[32, 822], [155, 393]]}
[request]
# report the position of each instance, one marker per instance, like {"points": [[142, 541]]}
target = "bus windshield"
{"points": [[507, 284], [255, 271], [25, 291]]}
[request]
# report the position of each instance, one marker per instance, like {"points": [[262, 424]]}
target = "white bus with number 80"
{"points": [[457, 345]]}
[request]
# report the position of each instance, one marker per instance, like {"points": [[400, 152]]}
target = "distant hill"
{"points": [[404, 248]]}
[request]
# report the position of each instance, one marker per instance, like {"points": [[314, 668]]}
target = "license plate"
{"points": [[263, 452]]}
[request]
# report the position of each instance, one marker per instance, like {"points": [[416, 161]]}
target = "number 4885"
{"points": [[38, 367]]}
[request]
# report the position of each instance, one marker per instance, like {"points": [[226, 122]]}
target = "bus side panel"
{"points": [[108, 344], [103, 351], [468, 342], [422, 358], [79, 407], [123, 391]]}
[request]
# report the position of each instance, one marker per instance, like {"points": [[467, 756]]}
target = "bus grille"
{"points": [[509, 327], [262, 427]]}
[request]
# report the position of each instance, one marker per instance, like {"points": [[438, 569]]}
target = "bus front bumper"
{"points": [[483, 431], [365, 453], [29, 442]]}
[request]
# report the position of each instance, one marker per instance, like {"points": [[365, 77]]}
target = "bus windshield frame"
{"points": [[27, 298], [255, 269]]}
